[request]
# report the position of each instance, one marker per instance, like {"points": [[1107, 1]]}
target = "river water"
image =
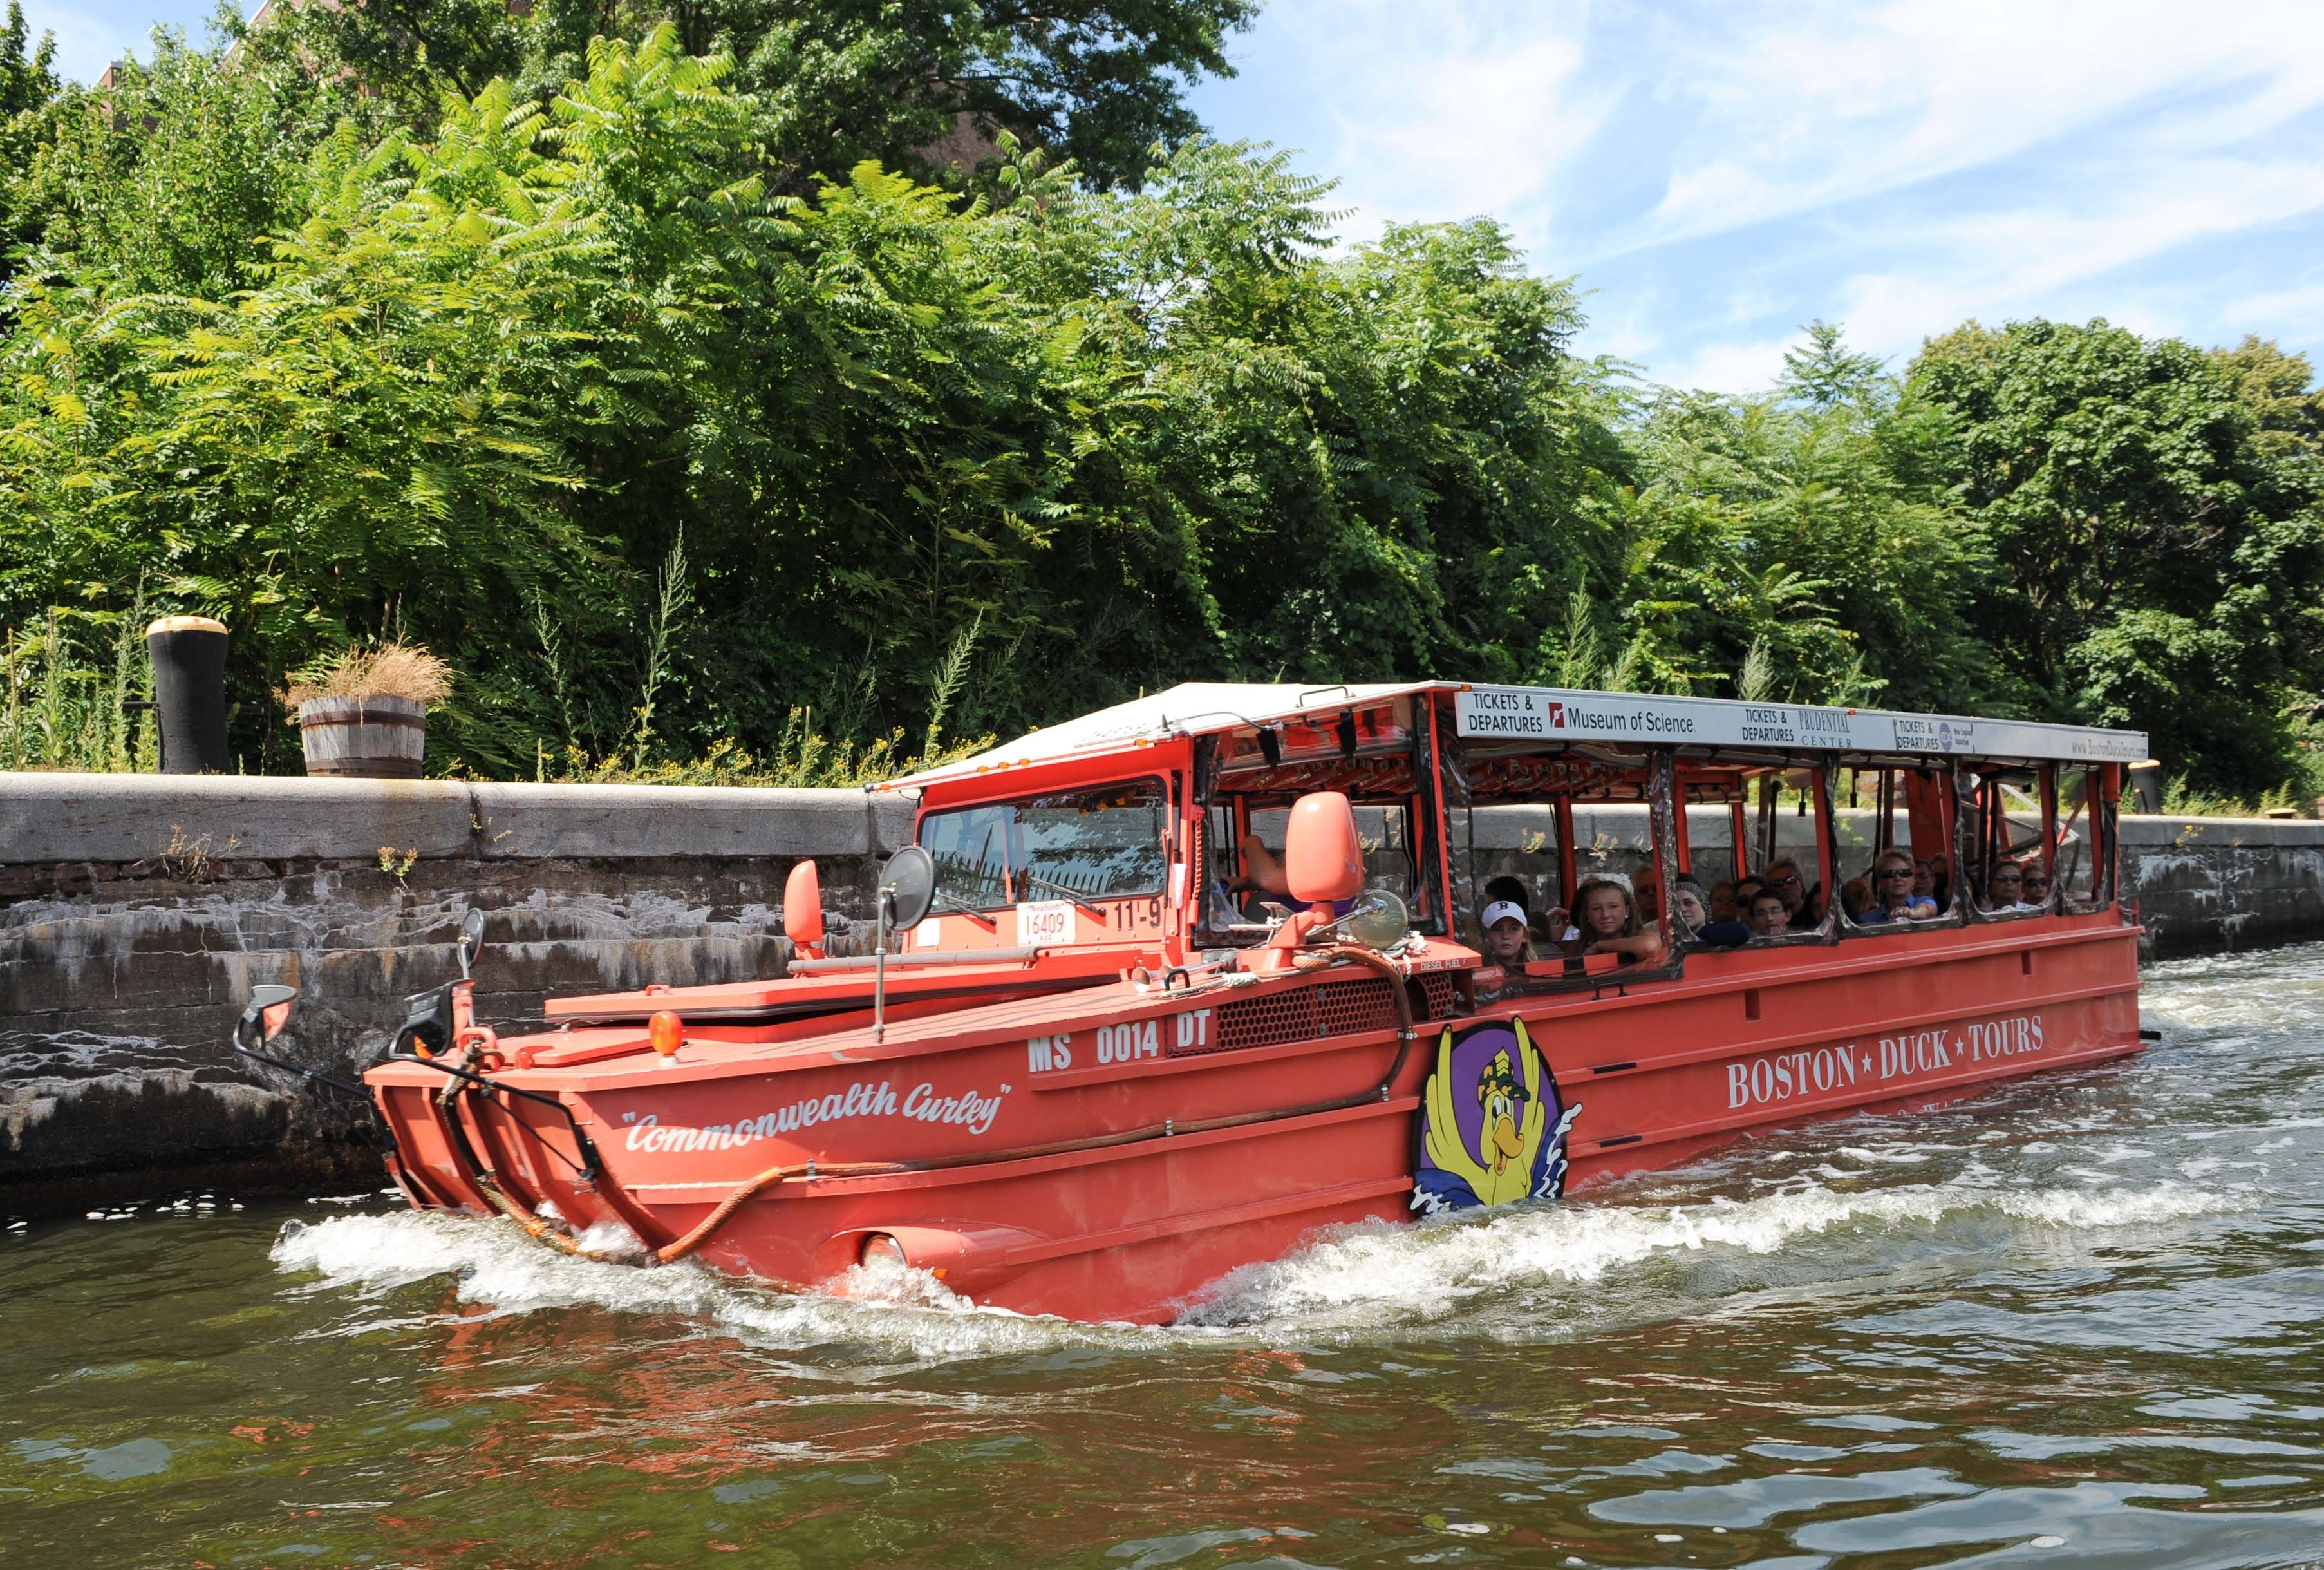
{"points": [[2072, 1321]]}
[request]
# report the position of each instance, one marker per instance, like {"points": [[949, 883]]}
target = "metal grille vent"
{"points": [[1327, 1009], [1350, 1006]]}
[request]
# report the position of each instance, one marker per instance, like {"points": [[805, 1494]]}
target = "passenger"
{"points": [[1722, 903], [2005, 889], [1769, 917], [1893, 876], [1802, 901], [1608, 923], [1506, 941], [1695, 919], [1856, 898], [1924, 880], [1689, 907], [1746, 889], [1510, 889], [2037, 887], [1941, 879]]}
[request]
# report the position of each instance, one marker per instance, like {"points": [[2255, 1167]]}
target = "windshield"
{"points": [[1104, 843]]}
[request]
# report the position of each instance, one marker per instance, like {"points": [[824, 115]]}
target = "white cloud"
{"points": [[1804, 107], [1746, 367], [1447, 111], [2298, 309], [1718, 171], [2039, 258], [85, 43]]}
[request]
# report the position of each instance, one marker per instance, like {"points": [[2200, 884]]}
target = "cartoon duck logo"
{"points": [[1493, 1126], [1500, 1095]]}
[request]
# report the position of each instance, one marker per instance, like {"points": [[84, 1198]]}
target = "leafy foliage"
{"points": [[657, 367]]}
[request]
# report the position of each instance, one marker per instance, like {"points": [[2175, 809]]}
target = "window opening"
{"points": [[2082, 853], [1893, 849], [1555, 831], [2008, 829]]}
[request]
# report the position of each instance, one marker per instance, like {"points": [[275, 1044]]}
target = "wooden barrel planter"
{"points": [[368, 738]]}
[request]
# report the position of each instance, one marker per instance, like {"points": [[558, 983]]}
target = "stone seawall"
{"points": [[136, 912]]}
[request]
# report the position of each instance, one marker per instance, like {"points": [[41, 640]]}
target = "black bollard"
{"points": [[2147, 787], [189, 692]]}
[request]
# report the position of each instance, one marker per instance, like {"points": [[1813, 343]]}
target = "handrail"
{"points": [[929, 956]]}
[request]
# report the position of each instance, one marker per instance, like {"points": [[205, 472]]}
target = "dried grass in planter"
{"points": [[390, 670]]}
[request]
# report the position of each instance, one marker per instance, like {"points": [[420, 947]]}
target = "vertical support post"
{"points": [[1678, 814], [887, 904], [1565, 863]]}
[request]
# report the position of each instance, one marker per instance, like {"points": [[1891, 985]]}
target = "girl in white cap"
{"points": [[1506, 941]]}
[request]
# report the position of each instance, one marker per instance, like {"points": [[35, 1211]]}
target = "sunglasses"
{"points": [[1900, 872], [1788, 881]]}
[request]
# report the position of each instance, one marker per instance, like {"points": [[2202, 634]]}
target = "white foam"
{"points": [[1380, 1275], [2066, 1207], [1387, 1274], [890, 1309]]}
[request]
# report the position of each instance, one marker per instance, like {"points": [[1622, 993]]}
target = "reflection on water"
{"points": [[2072, 1321]]}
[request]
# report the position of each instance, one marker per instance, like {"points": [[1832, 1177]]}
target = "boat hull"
{"points": [[1197, 1155]]}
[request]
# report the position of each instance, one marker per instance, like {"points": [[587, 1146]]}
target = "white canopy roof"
{"points": [[1522, 713], [1190, 708]]}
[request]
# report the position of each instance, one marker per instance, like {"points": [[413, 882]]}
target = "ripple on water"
{"points": [[2066, 1320]]}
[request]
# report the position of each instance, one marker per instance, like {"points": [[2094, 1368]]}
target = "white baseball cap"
{"points": [[1504, 911]]}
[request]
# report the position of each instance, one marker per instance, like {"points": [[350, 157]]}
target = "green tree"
{"points": [[1805, 523], [27, 81], [1824, 373], [2164, 565], [922, 89]]}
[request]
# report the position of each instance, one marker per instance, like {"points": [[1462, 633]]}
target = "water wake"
{"points": [[1378, 1276], [1386, 1277], [887, 1310]]}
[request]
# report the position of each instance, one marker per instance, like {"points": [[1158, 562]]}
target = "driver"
{"points": [[1264, 873]]}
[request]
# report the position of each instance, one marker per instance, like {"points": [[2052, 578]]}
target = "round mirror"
{"points": [[472, 939], [1379, 920], [907, 887], [266, 1014]]}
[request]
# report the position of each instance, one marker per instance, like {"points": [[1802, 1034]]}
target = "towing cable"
{"points": [[465, 1081]]}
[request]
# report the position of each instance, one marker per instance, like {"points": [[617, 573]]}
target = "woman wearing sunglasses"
{"points": [[1893, 899]]}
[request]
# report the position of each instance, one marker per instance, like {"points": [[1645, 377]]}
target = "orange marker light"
{"points": [[664, 1032]]}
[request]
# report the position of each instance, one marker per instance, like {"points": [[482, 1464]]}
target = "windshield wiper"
{"points": [[1075, 895], [953, 902]]}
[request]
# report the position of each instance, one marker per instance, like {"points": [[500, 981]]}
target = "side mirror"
{"points": [[1379, 919], [1323, 859], [907, 887], [266, 1014], [802, 907], [472, 940]]}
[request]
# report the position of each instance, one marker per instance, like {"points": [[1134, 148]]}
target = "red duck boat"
{"points": [[1160, 991]]}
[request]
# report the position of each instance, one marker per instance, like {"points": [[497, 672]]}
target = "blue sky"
{"points": [[1715, 174]]}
